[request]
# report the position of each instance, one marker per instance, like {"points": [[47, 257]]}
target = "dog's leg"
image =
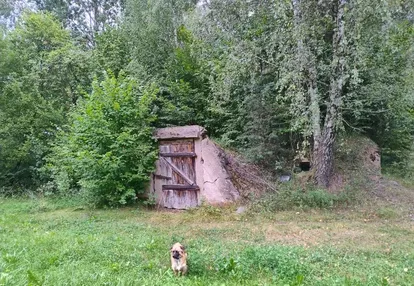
{"points": [[184, 270]]}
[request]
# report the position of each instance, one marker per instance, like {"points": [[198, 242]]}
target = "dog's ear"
{"points": [[182, 247]]}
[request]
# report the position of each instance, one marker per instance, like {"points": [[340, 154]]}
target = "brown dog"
{"points": [[178, 259]]}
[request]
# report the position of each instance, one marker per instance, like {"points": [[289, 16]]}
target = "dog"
{"points": [[178, 259]]}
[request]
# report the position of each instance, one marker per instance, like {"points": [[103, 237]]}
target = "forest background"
{"points": [[83, 83]]}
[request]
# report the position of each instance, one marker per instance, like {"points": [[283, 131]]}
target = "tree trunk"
{"points": [[314, 109], [325, 158], [307, 62]]}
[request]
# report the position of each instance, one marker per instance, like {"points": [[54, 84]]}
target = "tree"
{"points": [[90, 17], [11, 10], [60, 8], [324, 132], [111, 50], [163, 50], [350, 75], [245, 49], [316, 63], [152, 29], [85, 18], [108, 150], [5, 10], [382, 103], [41, 74]]}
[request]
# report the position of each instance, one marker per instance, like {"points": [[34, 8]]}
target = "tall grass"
{"points": [[293, 196]]}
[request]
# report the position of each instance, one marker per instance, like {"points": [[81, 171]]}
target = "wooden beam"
{"points": [[179, 132], [179, 154], [179, 187], [162, 177], [184, 176]]}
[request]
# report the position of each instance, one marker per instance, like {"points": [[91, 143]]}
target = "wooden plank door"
{"points": [[177, 166]]}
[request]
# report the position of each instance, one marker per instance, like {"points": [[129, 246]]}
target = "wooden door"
{"points": [[177, 166]]}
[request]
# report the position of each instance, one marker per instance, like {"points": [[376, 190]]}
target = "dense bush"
{"points": [[108, 151]]}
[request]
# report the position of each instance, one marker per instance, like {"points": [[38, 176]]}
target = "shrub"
{"points": [[108, 151]]}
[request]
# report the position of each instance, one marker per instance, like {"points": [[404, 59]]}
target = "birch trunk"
{"points": [[323, 163]]}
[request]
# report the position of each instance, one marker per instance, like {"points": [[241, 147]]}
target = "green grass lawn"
{"points": [[54, 242]]}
